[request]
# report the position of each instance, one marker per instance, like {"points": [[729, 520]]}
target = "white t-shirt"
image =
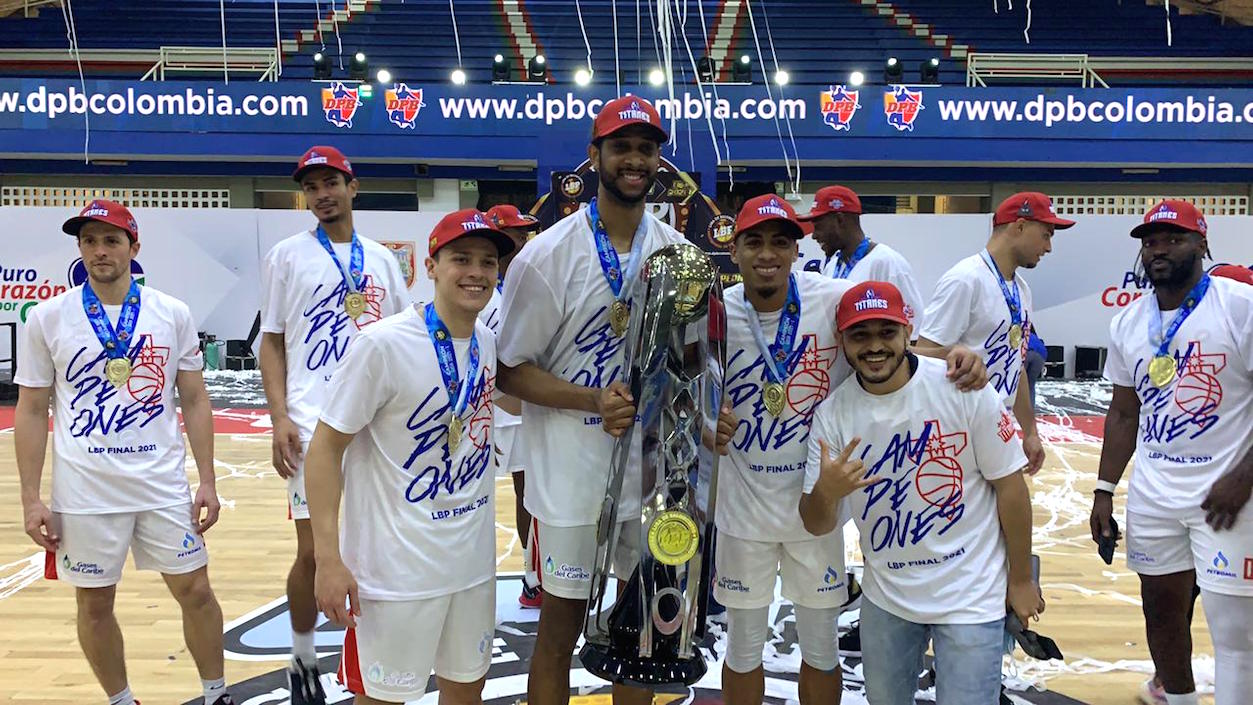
{"points": [[555, 314], [113, 449], [929, 527], [1200, 425], [490, 316], [969, 309], [417, 523], [759, 481], [302, 297], [884, 264]]}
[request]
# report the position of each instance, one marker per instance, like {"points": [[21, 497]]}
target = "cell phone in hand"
{"points": [[1105, 544]]}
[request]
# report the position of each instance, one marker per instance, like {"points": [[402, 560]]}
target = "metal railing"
{"points": [[263, 61], [983, 67]]}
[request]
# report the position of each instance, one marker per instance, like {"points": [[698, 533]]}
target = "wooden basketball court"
{"points": [[1093, 609]]}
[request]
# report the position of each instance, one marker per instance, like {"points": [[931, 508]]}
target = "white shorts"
{"points": [[509, 453], [1223, 560], [391, 653], [812, 570], [93, 546], [297, 499], [566, 555]]}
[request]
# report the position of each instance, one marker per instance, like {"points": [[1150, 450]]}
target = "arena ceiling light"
{"points": [[782, 77], [656, 77], [458, 76], [537, 68], [742, 70], [929, 72], [856, 78], [500, 69], [359, 67], [893, 71], [321, 67], [583, 76], [384, 76]]}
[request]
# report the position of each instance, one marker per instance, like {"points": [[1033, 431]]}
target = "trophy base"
{"points": [[604, 662]]}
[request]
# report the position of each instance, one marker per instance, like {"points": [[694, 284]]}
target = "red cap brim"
{"points": [[1143, 229], [872, 315]]}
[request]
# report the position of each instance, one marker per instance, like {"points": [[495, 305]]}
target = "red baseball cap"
{"points": [[507, 216], [870, 301], [323, 156], [464, 223], [833, 199], [103, 211], [1172, 214], [1029, 205], [1233, 271], [764, 209], [624, 112]]}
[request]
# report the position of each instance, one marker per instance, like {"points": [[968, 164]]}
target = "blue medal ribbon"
{"points": [[776, 355], [356, 273], [1013, 299], [1190, 302], [500, 283], [457, 388], [609, 263], [841, 271], [115, 341]]}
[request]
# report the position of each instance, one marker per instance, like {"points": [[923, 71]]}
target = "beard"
{"points": [[611, 185], [892, 364], [1175, 276]]}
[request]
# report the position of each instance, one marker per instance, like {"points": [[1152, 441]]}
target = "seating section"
{"points": [[816, 41]]}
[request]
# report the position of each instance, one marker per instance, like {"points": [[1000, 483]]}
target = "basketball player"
{"points": [[318, 288], [781, 362], [114, 352], [520, 227], [933, 479], [983, 302], [404, 437], [565, 308], [836, 217], [1181, 362]]}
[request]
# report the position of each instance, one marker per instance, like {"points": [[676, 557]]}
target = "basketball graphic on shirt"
{"points": [[939, 481], [374, 296], [1198, 392], [481, 420], [146, 382], [807, 389]]}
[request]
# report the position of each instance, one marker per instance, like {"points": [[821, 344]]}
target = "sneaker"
{"points": [[305, 683], [850, 642], [530, 598], [223, 700], [1152, 693]]}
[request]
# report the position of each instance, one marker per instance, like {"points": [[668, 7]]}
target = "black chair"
{"points": [[239, 354]]}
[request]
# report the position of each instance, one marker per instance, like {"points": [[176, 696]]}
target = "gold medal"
{"points": [[354, 304], [118, 371], [1162, 370], [773, 396], [454, 434], [673, 538], [619, 318], [1015, 336]]}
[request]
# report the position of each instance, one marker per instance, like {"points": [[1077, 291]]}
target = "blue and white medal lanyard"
{"points": [[773, 394], [458, 389], [620, 310], [354, 299]]}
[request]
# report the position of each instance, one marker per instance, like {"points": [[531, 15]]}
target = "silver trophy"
{"points": [[675, 353]]}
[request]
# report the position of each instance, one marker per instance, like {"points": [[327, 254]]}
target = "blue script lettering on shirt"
{"points": [[329, 325], [429, 430], [762, 431], [896, 465], [98, 406], [596, 338], [1167, 420], [1003, 361]]}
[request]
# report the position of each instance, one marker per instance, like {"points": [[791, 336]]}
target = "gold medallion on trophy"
{"points": [[673, 538]]}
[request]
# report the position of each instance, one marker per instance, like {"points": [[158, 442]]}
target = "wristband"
{"points": [[1106, 486]]}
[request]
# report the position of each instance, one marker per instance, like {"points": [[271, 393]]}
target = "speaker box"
{"points": [[1055, 362], [1089, 362]]}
